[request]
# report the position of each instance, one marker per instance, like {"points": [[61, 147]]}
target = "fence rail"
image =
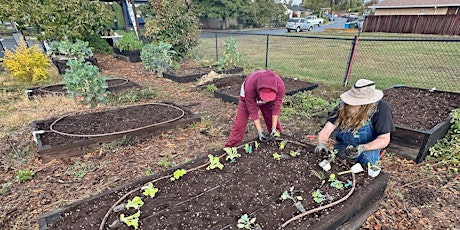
{"points": [[418, 24], [415, 62]]}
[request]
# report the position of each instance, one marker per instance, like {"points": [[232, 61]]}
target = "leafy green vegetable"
{"points": [[150, 191], [178, 174], [214, 163], [132, 220], [135, 203], [276, 156]]}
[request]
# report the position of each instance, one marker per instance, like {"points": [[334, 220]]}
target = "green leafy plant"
{"points": [[27, 64], [256, 144], [282, 145], [248, 148], [175, 24], [132, 220], [98, 44], [164, 162], [294, 153], [318, 197], [277, 156], [214, 163], [78, 49], [78, 169], [132, 95], [178, 174], [129, 42], [289, 194], [319, 175], [84, 83], [230, 56], [447, 150], [157, 58], [211, 88], [149, 190], [247, 223], [232, 153], [335, 182], [24, 175], [135, 203]]}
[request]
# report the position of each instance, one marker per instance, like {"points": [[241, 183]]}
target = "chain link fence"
{"points": [[414, 62]]}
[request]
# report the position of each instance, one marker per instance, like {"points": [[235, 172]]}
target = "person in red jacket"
{"points": [[264, 90]]}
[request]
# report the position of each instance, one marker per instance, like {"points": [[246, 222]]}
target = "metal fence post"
{"points": [[217, 52], [350, 60], [266, 53]]}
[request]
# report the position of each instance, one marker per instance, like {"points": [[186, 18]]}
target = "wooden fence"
{"points": [[417, 24]]}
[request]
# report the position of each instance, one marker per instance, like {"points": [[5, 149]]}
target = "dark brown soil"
{"points": [[420, 108], [113, 85], [215, 199]]}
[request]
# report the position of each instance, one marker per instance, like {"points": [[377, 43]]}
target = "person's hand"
{"points": [[321, 148], [263, 136], [274, 133], [353, 152]]}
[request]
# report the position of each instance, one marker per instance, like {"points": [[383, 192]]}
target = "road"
{"points": [[338, 23]]}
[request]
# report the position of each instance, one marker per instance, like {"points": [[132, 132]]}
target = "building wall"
{"points": [[412, 11]]}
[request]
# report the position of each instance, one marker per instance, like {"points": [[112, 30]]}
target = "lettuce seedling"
{"points": [[317, 196], [178, 174], [214, 163], [135, 203], [132, 220], [232, 153], [282, 145], [256, 144], [296, 199], [294, 153], [277, 156], [248, 148], [247, 223], [334, 182], [149, 190]]}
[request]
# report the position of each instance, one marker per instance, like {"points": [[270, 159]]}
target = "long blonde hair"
{"points": [[355, 122]]}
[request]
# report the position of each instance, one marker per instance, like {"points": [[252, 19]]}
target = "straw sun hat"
{"points": [[363, 92]]}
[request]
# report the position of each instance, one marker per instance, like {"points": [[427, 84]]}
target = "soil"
{"points": [[192, 74], [62, 182], [420, 108], [215, 199], [114, 85]]}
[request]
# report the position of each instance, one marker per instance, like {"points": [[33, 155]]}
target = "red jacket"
{"points": [[263, 79]]}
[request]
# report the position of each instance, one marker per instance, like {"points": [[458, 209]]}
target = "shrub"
{"points": [[84, 83], [129, 42], [79, 49], [447, 150], [174, 24], [157, 58], [27, 64], [230, 56], [99, 44]]}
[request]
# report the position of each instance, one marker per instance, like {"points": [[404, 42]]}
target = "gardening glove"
{"points": [[273, 134], [321, 148], [353, 152], [263, 136]]}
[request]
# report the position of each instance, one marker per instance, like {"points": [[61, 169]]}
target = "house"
{"points": [[416, 7], [296, 11]]}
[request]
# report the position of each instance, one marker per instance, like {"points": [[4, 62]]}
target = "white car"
{"points": [[298, 24]]}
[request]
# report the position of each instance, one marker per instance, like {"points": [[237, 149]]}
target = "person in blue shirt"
{"points": [[364, 122]]}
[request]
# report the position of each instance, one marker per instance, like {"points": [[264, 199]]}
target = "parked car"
{"points": [[313, 19], [298, 24]]}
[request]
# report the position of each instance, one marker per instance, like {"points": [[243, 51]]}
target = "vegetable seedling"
{"points": [[135, 203], [319, 175], [248, 223], [214, 163], [282, 145], [294, 153], [178, 174], [296, 199], [277, 156], [248, 148], [232, 153], [132, 220], [334, 182], [256, 144], [149, 190]]}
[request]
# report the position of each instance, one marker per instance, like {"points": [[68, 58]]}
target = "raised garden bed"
{"points": [[193, 74], [127, 55], [77, 134], [115, 85], [61, 62], [216, 199], [421, 118], [228, 88]]}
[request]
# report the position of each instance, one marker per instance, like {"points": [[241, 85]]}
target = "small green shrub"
{"points": [[211, 88], [99, 44], [157, 58], [231, 57], [27, 64], [24, 175], [132, 96], [78, 49], [84, 83], [129, 42], [447, 150]]}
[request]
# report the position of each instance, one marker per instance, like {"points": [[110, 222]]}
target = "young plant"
{"points": [[256, 144], [277, 156], [132, 220], [157, 58], [294, 153], [178, 174], [318, 197], [149, 190], [78, 49], [296, 199], [335, 182], [331, 156], [83, 81], [282, 145], [319, 175], [214, 163], [230, 56], [27, 64], [164, 162], [135, 203], [248, 148], [211, 88], [232, 153], [24, 175], [247, 223], [129, 42]]}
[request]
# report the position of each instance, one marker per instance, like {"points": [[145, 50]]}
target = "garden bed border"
{"points": [[196, 77]]}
